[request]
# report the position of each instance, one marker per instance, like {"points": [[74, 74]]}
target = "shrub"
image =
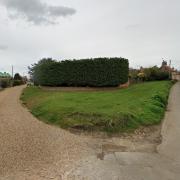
{"points": [[17, 77], [141, 76], [17, 82], [154, 73], [98, 72], [133, 75], [4, 83]]}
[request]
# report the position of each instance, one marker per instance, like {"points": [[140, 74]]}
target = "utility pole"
{"points": [[169, 63], [12, 71], [169, 69]]}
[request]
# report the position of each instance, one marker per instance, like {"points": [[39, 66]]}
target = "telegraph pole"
{"points": [[12, 71], [169, 69], [169, 63]]}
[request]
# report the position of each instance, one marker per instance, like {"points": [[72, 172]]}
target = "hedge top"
{"points": [[4, 75], [97, 72]]}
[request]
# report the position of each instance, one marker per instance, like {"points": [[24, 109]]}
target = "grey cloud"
{"points": [[36, 11], [133, 26], [3, 47], [61, 11]]}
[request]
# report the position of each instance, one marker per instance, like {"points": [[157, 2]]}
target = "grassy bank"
{"points": [[112, 111]]}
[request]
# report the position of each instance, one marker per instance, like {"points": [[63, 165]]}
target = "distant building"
{"points": [[175, 76], [174, 73], [166, 67]]}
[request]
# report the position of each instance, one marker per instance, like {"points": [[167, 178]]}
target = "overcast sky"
{"points": [[144, 31]]}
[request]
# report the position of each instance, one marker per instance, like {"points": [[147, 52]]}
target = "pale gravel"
{"points": [[30, 149]]}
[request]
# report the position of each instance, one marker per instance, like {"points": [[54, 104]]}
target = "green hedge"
{"points": [[155, 73], [5, 82], [98, 72], [18, 82]]}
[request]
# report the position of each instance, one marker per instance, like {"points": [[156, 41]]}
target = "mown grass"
{"points": [[111, 111]]}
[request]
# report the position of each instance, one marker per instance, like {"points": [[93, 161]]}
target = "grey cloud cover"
{"points": [[133, 26], [36, 11], [3, 47]]}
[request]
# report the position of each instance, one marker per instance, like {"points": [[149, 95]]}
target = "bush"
{"points": [[141, 76], [98, 72], [17, 77], [154, 73], [17, 82], [4, 83]]}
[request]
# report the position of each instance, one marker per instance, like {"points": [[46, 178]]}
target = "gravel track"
{"points": [[30, 149]]}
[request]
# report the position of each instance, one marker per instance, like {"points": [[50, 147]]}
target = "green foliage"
{"points": [[17, 77], [148, 74], [96, 72], [110, 111], [5, 75], [155, 73], [141, 76], [133, 75], [18, 82], [5, 82]]}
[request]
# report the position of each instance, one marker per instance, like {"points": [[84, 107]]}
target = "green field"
{"points": [[112, 111]]}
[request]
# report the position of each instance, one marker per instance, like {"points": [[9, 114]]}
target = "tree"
{"points": [[17, 77]]}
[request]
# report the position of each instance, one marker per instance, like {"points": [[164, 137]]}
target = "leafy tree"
{"points": [[17, 77], [155, 73]]}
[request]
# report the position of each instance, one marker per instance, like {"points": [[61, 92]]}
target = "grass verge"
{"points": [[113, 111]]}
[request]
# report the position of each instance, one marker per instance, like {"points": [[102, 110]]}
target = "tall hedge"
{"points": [[97, 72]]}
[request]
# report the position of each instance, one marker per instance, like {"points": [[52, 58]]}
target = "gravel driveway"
{"points": [[30, 149]]}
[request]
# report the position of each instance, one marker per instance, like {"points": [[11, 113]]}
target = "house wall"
{"points": [[175, 76]]}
